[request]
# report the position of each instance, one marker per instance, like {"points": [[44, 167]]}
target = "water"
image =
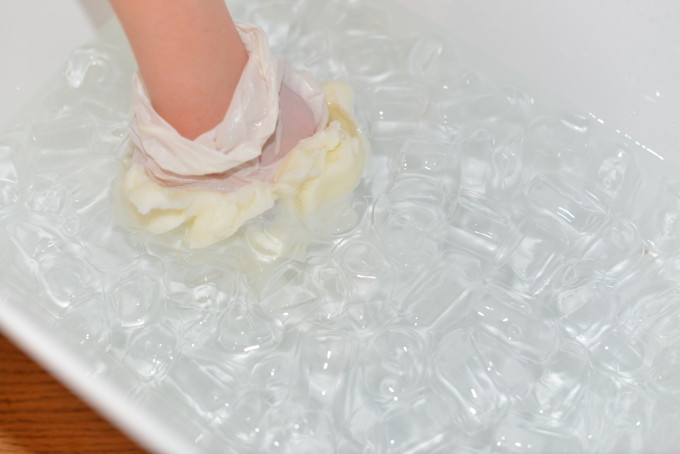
{"points": [[504, 280]]}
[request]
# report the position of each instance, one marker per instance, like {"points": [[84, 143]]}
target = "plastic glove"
{"points": [[273, 108]]}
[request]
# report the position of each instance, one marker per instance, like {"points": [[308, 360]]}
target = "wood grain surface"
{"points": [[39, 415]]}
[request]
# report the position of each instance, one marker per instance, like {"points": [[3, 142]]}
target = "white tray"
{"points": [[621, 62]]}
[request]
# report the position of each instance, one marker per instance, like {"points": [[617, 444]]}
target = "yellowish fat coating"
{"points": [[328, 164]]}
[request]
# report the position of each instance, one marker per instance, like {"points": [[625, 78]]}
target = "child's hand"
{"points": [[190, 57]]}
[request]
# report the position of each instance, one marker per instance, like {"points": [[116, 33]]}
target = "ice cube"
{"points": [[509, 319], [394, 365], [408, 218], [435, 299], [557, 140], [587, 311], [206, 388], [368, 272], [563, 383], [427, 56], [245, 425], [416, 427], [324, 358], [94, 66], [152, 352], [9, 196], [482, 227], [68, 279], [248, 330], [510, 370], [67, 132], [613, 176], [289, 295], [516, 437], [134, 295], [432, 157], [293, 427], [661, 222], [576, 210], [463, 377], [394, 103], [618, 351], [538, 254]]}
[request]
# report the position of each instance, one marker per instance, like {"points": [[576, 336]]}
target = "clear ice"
{"points": [[504, 280]]}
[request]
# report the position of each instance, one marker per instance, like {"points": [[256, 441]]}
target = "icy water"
{"points": [[504, 280]]}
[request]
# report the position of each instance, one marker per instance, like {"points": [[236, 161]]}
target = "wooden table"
{"points": [[39, 415]]}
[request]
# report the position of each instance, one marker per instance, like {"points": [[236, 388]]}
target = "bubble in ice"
{"points": [[504, 279]]}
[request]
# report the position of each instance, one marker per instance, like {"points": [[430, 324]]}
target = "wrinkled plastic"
{"points": [[246, 145]]}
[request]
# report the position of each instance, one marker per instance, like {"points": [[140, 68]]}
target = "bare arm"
{"points": [[190, 57]]}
